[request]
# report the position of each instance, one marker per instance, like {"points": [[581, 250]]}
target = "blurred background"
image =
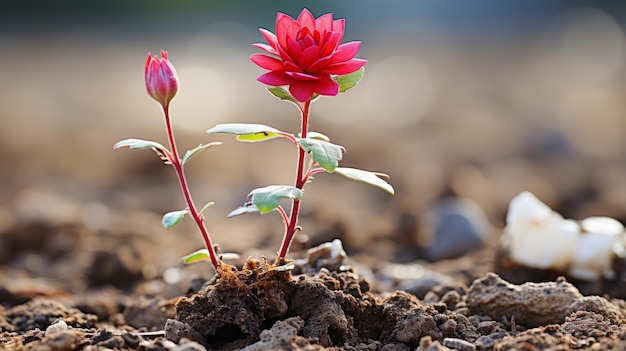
{"points": [[480, 99]]}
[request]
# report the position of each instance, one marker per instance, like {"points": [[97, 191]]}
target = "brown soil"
{"points": [[261, 308]]}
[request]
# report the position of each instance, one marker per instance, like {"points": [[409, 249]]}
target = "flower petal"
{"points": [[346, 51], [286, 27], [303, 77], [309, 55], [267, 62], [319, 64], [270, 38], [344, 67], [302, 91], [339, 26], [326, 86], [324, 23], [331, 42], [275, 78], [293, 50], [291, 67], [266, 48], [306, 19]]}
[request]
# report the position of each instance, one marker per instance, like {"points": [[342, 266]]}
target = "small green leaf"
{"points": [[229, 256], [317, 135], [282, 94], [251, 138], [268, 198], [348, 81], [371, 178], [171, 219], [248, 131], [138, 144], [209, 204], [191, 153], [326, 154], [246, 208], [289, 265], [197, 256]]}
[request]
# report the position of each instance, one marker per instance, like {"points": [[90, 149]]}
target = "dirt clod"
{"points": [[530, 304]]}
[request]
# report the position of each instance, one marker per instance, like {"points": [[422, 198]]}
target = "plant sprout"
{"points": [[305, 60]]}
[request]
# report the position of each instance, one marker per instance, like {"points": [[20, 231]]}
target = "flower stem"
{"points": [[193, 211], [292, 226]]}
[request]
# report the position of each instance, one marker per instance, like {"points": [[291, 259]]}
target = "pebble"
{"points": [[459, 226]]}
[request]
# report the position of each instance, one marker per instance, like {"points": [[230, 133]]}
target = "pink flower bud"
{"points": [[161, 78]]}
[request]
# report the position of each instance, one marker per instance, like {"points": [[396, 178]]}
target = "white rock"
{"points": [[538, 237], [58, 326], [593, 256]]}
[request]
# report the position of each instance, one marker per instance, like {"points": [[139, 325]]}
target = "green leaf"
{"points": [[197, 256], [191, 153], [203, 255], [317, 135], [371, 178], [251, 138], [348, 81], [282, 94], [209, 204], [268, 198], [326, 154], [246, 208], [138, 144], [171, 219], [248, 131]]}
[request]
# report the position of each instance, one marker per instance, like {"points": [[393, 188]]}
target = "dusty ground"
{"points": [[475, 118]]}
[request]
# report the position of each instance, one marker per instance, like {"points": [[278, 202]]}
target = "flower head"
{"points": [[161, 78], [308, 54]]}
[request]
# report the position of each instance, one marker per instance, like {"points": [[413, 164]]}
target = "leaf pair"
{"points": [[139, 144]]}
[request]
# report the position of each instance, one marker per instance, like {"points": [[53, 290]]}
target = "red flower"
{"points": [[161, 78], [308, 53]]}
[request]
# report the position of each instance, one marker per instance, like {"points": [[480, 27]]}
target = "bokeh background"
{"points": [[480, 99]]}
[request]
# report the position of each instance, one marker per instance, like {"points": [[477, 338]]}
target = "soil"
{"points": [[322, 304]]}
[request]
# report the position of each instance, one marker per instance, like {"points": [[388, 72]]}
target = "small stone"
{"points": [[459, 226], [58, 326]]}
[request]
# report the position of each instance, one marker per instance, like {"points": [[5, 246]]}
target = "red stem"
{"points": [[292, 226], [178, 166]]}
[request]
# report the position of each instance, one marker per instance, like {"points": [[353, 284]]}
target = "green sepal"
{"points": [[250, 132], [138, 144], [282, 94], [348, 81], [171, 219], [204, 208], [197, 256], [371, 178], [326, 154], [191, 153]]}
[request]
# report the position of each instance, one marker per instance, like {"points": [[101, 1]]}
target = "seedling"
{"points": [[162, 85], [305, 60]]}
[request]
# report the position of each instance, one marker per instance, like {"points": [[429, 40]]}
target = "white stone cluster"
{"points": [[538, 237]]}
